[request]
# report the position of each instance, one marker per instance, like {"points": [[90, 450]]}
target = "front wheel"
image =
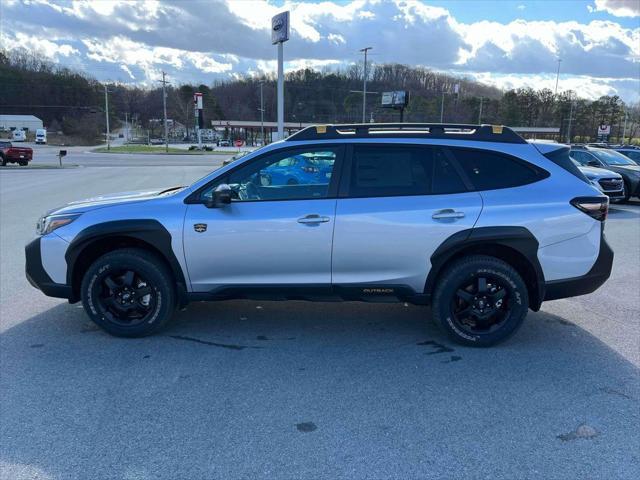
{"points": [[480, 301], [129, 293], [23, 164]]}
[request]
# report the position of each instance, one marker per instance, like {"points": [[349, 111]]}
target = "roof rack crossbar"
{"points": [[457, 131]]}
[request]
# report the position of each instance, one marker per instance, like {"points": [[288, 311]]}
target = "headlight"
{"points": [[49, 223]]}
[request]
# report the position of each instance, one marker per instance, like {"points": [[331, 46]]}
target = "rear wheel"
{"points": [[4, 161], [23, 164], [480, 301], [129, 293]]}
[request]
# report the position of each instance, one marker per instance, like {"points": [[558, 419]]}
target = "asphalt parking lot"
{"points": [[245, 389]]}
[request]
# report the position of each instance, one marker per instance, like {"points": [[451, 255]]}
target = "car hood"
{"points": [[93, 203], [591, 172]]}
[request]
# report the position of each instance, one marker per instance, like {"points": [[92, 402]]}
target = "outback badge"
{"points": [[200, 227]]}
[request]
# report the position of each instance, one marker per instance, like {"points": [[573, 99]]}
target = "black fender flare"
{"points": [[519, 239], [148, 231]]}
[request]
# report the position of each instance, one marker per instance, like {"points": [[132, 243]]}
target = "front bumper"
{"points": [[38, 277], [588, 283]]}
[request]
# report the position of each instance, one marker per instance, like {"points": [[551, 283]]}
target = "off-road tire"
{"points": [[463, 272], [148, 268]]}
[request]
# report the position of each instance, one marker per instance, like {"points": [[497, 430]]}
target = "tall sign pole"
{"points": [[197, 103], [279, 35]]}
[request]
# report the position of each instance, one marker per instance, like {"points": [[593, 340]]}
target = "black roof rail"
{"points": [[452, 131]]}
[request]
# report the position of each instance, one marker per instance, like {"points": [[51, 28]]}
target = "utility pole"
{"points": [[364, 86], [442, 108], [106, 113], [262, 113], [570, 118], [164, 112], [624, 131], [480, 113], [126, 127], [558, 75]]}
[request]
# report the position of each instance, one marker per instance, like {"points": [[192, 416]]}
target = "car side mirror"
{"points": [[221, 196]]}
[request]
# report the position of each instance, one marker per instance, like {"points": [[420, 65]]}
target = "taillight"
{"points": [[595, 207]]}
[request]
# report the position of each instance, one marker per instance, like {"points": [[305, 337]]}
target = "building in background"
{"points": [[20, 122]]}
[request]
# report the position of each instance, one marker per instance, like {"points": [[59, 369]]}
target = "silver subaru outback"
{"points": [[469, 219]]}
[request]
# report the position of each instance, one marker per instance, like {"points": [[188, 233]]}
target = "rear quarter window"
{"points": [[490, 170]]}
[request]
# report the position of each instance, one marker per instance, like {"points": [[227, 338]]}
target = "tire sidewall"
{"points": [[517, 294], [163, 293]]}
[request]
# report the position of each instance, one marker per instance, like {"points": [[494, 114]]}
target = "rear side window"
{"points": [[561, 158], [489, 170], [383, 171]]}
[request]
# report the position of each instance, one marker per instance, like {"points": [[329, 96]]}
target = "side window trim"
{"points": [[332, 191]]}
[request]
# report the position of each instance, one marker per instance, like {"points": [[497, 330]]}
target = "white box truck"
{"points": [[41, 136]]}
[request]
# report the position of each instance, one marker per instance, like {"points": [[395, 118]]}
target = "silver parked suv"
{"points": [[470, 219]]}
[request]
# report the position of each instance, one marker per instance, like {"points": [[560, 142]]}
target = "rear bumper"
{"points": [[38, 277], [588, 283]]}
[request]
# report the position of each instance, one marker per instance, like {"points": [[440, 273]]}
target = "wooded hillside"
{"points": [[73, 102]]}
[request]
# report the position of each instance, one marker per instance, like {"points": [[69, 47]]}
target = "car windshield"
{"points": [[611, 157]]}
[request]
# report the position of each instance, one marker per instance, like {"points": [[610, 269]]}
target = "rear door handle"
{"points": [[447, 213], [313, 219]]}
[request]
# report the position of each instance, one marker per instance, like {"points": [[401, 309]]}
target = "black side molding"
{"points": [[518, 239], [38, 277], [149, 231], [588, 283]]}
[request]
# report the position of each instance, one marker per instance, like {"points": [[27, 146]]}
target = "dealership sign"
{"points": [[604, 130], [280, 28]]}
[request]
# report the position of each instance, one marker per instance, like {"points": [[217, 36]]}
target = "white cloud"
{"points": [[200, 41], [617, 8], [521, 7]]}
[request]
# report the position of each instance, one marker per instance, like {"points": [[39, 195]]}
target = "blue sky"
{"points": [[505, 43]]}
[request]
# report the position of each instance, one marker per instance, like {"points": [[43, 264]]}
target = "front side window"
{"points": [[611, 157], [398, 170], [288, 175], [583, 157], [489, 170]]}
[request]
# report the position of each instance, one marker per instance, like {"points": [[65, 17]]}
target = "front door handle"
{"points": [[313, 219], [447, 213]]}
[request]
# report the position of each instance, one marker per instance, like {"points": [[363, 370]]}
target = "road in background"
{"points": [[47, 155], [244, 389]]}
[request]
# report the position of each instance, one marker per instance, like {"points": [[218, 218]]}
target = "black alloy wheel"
{"points": [[126, 298], [480, 305]]}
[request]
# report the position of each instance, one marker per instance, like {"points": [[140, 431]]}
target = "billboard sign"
{"points": [[396, 99], [280, 28], [604, 130]]}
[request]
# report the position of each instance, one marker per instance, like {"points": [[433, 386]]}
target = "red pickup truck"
{"points": [[10, 154]]}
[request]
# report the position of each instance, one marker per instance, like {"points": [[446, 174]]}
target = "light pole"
{"points": [[262, 113], [558, 75], [480, 113], [364, 86], [442, 107], [164, 112], [106, 113]]}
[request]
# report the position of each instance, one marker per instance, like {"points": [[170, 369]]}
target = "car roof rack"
{"points": [[449, 131]]}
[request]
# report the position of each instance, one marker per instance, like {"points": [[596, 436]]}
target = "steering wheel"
{"points": [[248, 191]]}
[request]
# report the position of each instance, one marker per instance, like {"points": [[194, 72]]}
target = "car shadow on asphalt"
{"points": [[75, 400]]}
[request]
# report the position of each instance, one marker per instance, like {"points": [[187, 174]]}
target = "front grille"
{"points": [[611, 184]]}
